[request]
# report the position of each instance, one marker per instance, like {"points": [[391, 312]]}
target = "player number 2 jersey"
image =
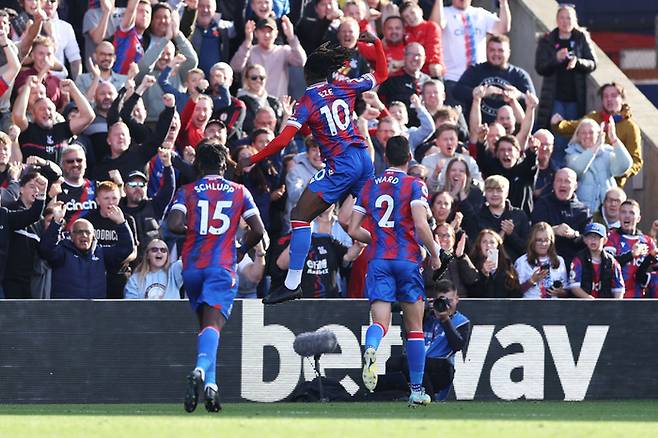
{"points": [[213, 207], [387, 200]]}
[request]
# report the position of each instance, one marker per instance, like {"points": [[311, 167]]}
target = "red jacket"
{"points": [[190, 134], [428, 34], [394, 56]]}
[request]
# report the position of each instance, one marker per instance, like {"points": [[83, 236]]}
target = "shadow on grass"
{"points": [[609, 411]]}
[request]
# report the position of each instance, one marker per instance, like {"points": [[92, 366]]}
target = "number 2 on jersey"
{"points": [[204, 229], [335, 118], [385, 221]]}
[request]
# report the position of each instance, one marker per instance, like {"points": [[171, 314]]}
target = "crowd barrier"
{"points": [[140, 352]]}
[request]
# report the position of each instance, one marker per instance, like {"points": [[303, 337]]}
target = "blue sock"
{"points": [[206, 359], [300, 242], [416, 359], [374, 335], [211, 374]]}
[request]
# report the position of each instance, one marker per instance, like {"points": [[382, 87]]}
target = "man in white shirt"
{"points": [[464, 36], [67, 46]]}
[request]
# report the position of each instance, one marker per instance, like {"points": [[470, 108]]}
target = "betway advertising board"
{"points": [[109, 351]]}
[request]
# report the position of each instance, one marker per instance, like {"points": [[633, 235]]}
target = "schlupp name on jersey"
{"points": [[217, 186]]}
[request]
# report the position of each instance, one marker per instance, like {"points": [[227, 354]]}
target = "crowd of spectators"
{"points": [[101, 113]]}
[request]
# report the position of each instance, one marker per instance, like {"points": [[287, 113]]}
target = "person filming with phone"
{"points": [[542, 273], [497, 277]]}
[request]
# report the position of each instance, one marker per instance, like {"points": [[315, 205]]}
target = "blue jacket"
{"points": [[82, 275], [596, 172]]}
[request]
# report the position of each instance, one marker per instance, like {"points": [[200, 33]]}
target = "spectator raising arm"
{"points": [[239, 60], [504, 23], [531, 102], [19, 113], [165, 194], [25, 45], [129, 16], [97, 34], [13, 64], [85, 112], [150, 147]]}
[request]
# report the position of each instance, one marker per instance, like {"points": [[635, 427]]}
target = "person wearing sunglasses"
{"points": [[255, 96], [148, 212], [275, 58], [156, 277]]}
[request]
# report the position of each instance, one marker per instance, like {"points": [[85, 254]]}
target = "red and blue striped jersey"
{"points": [[128, 48], [386, 200], [621, 243], [213, 207], [326, 108], [576, 275]]}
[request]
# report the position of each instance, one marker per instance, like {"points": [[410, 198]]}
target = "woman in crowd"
{"points": [[460, 269], [564, 57], [595, 162], [254, 95], [155, 278], [497, 278], [542, 273], [458, 182]]}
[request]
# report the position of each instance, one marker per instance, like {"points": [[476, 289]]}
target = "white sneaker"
{"points": [[419, 398], [370, 369]]}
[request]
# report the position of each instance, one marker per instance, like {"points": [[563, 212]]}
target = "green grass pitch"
{"points": [[337, 420]]}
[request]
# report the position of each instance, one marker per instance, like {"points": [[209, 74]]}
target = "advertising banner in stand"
{"points": [[141, 351]]}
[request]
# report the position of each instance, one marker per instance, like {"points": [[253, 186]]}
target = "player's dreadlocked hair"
{"points": [[211, 158], [325, 60]]}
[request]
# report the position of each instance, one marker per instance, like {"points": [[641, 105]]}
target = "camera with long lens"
{"points": [[441, 304]]}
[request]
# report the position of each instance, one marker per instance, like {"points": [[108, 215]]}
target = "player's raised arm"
{"points": [[381, 65], [278, 143]]}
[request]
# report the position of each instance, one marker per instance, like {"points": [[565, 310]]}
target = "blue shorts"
{"points": [[394, 280], [216, 287], [346, 174]]}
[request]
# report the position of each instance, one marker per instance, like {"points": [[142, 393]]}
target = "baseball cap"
{"points": [[266, 22], [595, 228], [221, 124], [138, 174]]}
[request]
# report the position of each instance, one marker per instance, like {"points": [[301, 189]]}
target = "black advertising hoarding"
{"points": [[115, 351]]}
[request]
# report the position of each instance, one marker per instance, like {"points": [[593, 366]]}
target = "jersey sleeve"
{"points": [[179, 201], [302, 112], [419, 193], [363, 83], [248, 206], [618, 285]]}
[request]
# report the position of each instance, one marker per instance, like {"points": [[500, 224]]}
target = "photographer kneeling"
{"points": [[446, 332]]}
